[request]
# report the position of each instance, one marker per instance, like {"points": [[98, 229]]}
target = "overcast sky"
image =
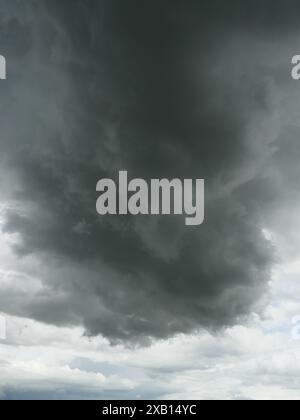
{"points": [[146, 307]]}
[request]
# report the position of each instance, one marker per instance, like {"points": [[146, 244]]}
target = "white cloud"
{"points": [[259, 360]]}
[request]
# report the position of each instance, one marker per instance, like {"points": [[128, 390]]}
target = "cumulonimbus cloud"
{"points": [[159, 90]]}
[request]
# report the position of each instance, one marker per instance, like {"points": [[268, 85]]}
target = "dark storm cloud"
{"points": [[161, 89]]}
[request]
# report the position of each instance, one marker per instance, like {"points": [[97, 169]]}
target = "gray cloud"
{"points": [[170, 90]]}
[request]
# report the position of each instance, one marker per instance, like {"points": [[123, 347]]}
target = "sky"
{"points": [[122, 307]]}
